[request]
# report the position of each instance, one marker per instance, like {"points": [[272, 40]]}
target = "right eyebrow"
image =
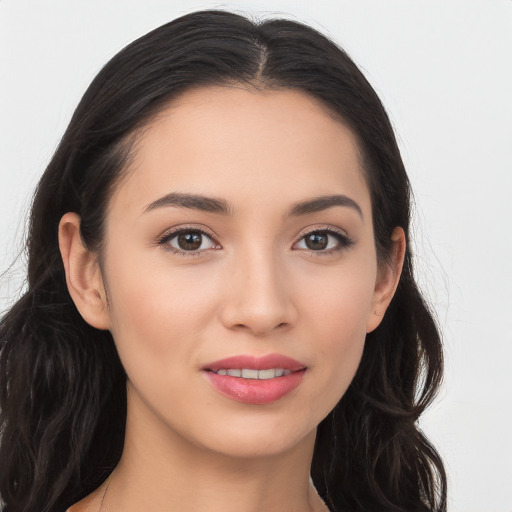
{"points": [[192, 201]]}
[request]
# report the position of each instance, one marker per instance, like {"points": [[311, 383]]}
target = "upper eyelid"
{"points": [[327, 228], [171, 232]]}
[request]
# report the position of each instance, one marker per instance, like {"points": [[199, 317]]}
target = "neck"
{"points": [[162, 472]]}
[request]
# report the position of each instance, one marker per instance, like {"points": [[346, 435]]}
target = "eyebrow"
{"points": [[321, 203], [222, 207], [192, 201]]}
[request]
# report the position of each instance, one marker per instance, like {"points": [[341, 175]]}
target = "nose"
{"points": [[259, 297]]}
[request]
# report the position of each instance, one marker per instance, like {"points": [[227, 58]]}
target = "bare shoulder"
{"points": [[90, 503]]}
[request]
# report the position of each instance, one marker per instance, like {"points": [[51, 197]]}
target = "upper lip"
{"points": [[256, 363]]}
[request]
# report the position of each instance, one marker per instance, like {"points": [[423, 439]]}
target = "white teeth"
{"points": [[267, 374], [249, 373]]}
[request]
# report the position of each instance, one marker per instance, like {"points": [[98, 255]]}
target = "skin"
{"points": [[253, 288]]}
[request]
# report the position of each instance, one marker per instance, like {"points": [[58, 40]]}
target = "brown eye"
{"points": [[317, 241], [189, 240], [324, 241]]}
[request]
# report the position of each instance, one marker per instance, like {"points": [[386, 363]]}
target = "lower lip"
{"points": [[255, 391]]}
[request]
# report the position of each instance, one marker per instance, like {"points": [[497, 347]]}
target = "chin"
{"points": [[248, 436], [254, 445]]}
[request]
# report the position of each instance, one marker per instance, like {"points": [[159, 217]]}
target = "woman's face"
{"points": [[242, 231]]}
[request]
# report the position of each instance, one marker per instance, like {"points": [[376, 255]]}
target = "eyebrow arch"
{"points": [[192, 201], [323, 203]]}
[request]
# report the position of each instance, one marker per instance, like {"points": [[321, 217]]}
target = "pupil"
{"points": [[189, 241], [316, 241]]}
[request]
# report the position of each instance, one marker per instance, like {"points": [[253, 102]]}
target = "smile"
{"points": [[249, 373], [255, 380]]}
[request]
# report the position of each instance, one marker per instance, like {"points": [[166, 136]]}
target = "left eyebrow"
{"points": [[321, 203]]}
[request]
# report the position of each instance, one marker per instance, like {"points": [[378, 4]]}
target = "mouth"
{"points": [[249, 373], [255, 380]]}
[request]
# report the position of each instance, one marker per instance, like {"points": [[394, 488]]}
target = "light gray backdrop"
{"points": [[443, 71]]}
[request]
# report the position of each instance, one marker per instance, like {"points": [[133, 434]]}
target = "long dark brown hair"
{"points": [[62, 385]]}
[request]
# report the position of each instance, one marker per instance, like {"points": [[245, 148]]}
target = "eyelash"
{"points": [[344, 241], [167, 237]]}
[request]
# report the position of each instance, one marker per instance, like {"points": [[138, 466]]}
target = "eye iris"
{"points": [[190, 241], [317, 241]]}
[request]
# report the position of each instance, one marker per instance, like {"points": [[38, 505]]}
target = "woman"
{"points": [[220, 297]]}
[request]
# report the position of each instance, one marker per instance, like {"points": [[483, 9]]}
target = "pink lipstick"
{"points": [[255, 380]]}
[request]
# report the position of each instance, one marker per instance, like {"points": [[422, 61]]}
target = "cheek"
{"points": [[157, 314], [342, 327], [337, 317], [340, 299]]}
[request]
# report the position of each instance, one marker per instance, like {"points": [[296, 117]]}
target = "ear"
{"points": [[83, 273], [388, 276]]}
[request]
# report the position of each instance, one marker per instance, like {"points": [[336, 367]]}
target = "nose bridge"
{"points": [[260, 297]]}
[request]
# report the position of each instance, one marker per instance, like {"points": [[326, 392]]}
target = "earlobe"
{"points": [[83, 274], [388, 277]]}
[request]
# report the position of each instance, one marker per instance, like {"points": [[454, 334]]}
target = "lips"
{"points": [[256, 363], [255, 380]]}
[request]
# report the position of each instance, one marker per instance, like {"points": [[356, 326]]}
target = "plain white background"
{"points": [[442, 68]]}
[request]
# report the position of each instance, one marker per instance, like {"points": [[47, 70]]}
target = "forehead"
{"points": [[244, 145]]}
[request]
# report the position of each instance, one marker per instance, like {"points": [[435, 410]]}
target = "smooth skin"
{"points": [[251, 284]]}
